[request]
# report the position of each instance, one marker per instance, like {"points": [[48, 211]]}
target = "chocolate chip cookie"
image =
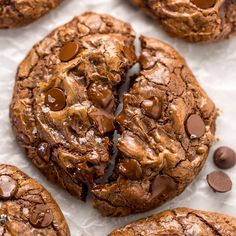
{"points": [[15, 13], [65, 96], [181, 222], [27, 207], [194, 20], [167, 126]]}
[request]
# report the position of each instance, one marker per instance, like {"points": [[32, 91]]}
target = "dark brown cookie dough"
{"points": [[196, 20], [27, 207], [167, 127], [15, 13], [62, 111], [181, 222]]}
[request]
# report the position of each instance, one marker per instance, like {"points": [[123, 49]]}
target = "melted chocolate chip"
{"points": [[204, 4], [8, 187], [195, 126], [152, 107], [219, 181], [55, 98], [162, 185], [103, 120], [69, 51], [41, 216], [225, 157], [44, 151], [130, 169]]}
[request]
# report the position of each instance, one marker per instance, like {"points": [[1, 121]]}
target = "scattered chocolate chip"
{"points": [[162, 184], [8, 187], [44, 151], [41, 216], [103, 120], [224, 157], [3, 219], [204, 4], [55, 98], [195, 126], [69, 51], [219, 181], [131, 169], [152, 107]]}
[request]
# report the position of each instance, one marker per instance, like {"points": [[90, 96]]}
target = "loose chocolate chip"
{"points": [[8, 187], [69, 51], [152, 107], [162, 185], [41, 216], [103, 120], [195, 126], [219, 181], [44, 151], [130, 169], [204, 4], [55, 98], [225, 157]]}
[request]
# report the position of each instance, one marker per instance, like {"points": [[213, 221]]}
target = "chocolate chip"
{"points": [[41, 216], [152, 107], [3, 219], [69, 51], [204, 4], [219, 181], [162, 185], [103, 120], [195, 126], [130, 169], [8, 187], [43, 151], [55, 98], [225, 157]]}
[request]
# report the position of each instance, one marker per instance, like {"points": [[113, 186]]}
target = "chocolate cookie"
{"points": [[62, 111], [194, 20], [167, 127], [15, 13], [179, 222], [27, 207]]}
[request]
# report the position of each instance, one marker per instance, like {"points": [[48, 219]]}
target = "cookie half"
{"points": [[167, 126], [27, 207], [65, 96], [179, 222], [193, 20], [15, 13]]}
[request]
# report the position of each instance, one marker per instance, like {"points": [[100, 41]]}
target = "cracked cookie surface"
{"points": [[181, 222], [27, 207], [193, 20], [15, 13]]}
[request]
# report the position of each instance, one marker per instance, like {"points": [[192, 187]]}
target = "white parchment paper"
{"points": [[214, 65]]}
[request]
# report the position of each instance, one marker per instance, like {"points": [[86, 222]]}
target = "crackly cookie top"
{"points": [[167, 126], [181, 222], [194, 20], [27, 208], [14, 13], [64, 99]]}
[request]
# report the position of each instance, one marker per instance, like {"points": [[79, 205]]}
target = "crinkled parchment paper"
{"points": [[214, 65]]}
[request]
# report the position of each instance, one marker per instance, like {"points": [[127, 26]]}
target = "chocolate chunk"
{"points": [[162, 185], [8, 187], [41, 216], [131, 169], [3, 219], [152, 107], [69, 51], [44, 151], [55, 98], [195, 126], [103, 120], [219, 181], [204, 4], [225, 157]]}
